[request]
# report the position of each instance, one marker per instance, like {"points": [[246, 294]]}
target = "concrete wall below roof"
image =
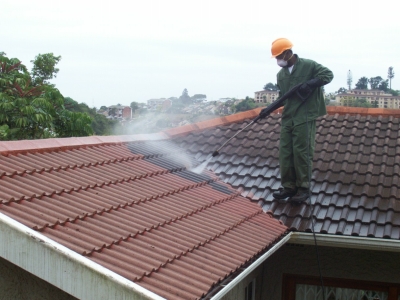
{"points": [[366, 265], [16, 284]]}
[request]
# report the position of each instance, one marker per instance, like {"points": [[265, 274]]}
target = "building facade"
{"points": [[265, 96], [376, 98]]}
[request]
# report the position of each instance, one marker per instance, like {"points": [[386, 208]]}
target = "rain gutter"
{"points": [[251, 268], [326, 240], [341, 241], [62, 267]]}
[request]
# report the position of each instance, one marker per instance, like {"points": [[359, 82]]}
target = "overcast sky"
{"points": [[123, 51]]}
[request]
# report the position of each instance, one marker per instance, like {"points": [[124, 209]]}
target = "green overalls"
{"points": [[297, 138]]}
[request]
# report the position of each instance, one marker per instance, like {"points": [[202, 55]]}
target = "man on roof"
{"points": [[297, 137]]}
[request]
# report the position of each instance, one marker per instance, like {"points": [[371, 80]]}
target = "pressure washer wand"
{"points": [[266, 111], [216, 152]]}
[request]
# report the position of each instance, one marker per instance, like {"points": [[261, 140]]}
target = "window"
{"points": [[250, 290], [309, 288], [314, 292]]}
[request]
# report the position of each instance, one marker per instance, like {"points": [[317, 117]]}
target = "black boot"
{"points": [[302, 195], [283, 193]]}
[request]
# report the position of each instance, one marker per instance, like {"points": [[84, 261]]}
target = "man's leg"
{"points": [[286, 162], [303, 152]]}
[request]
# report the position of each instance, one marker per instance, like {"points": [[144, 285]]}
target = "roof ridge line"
{"points": [[238, 117], [52, 144]]}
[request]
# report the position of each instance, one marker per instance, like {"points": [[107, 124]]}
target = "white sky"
{"points": [[123, 51]]}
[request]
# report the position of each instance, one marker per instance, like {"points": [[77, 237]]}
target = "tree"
{"points": [[362, 83], [383, 85], [270, 87], [198, 97], [349, 79], [246, 104], [185, 98], [32, 110], [134, 106], [390, 76], [374, 82], [342, 90], [44, 67]]}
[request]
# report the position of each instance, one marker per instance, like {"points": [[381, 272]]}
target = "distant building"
{"points": [[378, 97], [120, 111], [266, 96], [224, 99], [162, 103]]}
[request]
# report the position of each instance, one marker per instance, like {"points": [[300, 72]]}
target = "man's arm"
{"points": [[321, 77]]}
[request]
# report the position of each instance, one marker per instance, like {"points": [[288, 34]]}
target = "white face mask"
{"points": [[281, 62]]}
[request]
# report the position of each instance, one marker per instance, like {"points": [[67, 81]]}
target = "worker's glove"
{"points": [[264, 113], [307, 88]]}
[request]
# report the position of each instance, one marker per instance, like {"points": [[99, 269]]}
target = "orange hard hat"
{"points": [[280, 45]]}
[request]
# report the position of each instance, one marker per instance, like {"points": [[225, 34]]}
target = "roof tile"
{"points": [[137, 209], [355, 169]]}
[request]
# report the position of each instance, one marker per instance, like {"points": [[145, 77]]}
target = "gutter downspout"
{"points": [[62, 267], [251, 268]]}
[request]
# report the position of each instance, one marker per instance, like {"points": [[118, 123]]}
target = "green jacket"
{"points": [[294, 109]]}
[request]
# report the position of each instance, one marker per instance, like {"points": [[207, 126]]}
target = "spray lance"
{"points": [[267, 110]]}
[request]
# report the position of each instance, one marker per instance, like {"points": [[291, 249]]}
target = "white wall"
{"points": [[16, 284]]}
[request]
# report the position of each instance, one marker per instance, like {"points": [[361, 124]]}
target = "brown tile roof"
{"points": [[355, 178], [133, 206]]}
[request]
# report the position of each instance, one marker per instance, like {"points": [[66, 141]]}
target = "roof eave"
{"points": [[251, 268], [342, 241], [74, 274]]}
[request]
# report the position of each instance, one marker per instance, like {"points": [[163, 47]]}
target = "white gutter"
{"points": [[251, 268], [322, 240], [62, 267], [341, 241]]}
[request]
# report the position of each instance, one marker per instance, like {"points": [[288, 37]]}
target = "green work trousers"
{"points": [[296, 151]]}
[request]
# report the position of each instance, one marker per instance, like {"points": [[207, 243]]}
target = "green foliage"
{"points": [[99, 123], [384, 85], [374, 82], [393, 92], [34, 110], [185, 98], [246, 104], [342, 90], [362, 83], [270, 87], [198, 97], [44, 67], [134, 106], [353, 102]]}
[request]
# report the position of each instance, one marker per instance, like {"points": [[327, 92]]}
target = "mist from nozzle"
{"points": [[200, 168]]}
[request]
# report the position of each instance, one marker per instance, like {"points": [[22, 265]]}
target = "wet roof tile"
{"points": [[137, 209], [356, 168]]}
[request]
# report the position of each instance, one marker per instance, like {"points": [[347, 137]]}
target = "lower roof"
{"points": [[136, 208]]}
